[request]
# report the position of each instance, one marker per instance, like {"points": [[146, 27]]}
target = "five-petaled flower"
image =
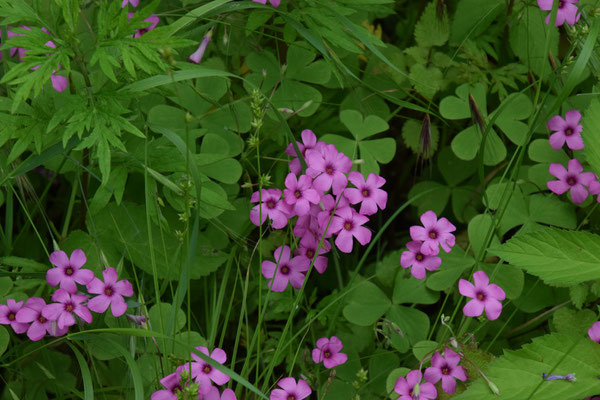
{"points": [[66, 305], [172, 386], [328, 352], [366, 192], [284, 270], [32, 313], [308, 249], [567, 11], [110, 292], [309, 142], [299, 193], [328, 167], [347, 223], [572, 179], [566, 130], [270, 206], [419, 262], [68, 271], [484, 295], [290, 390], [411, 388], [204, 373], [447, 369], [8, 315], [434, 233]]}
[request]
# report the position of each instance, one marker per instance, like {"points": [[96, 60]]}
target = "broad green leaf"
{"points": [[591, 126], [381, 363], [430, 29], [453, 265], [427, 80], [413, 325], [411, 134], [453, 169], [511, 279], [366, 304], [518, 374], [4, 339], [362, 128], [387, 268], [467, 143], [375, 152], [527, 38], [557, 256], [515, 107], [424, 349], [413, 291], [481, 228], [393, 378], [540, 151], [159, 317], [473, 17], [572, 322], [436, 201], [457, 107]]}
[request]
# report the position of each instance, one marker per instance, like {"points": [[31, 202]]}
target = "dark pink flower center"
{"points": [[568, 131], [108, 291], [42, 319], [69, 271], [446, 370], [571, 181], [365, 192], [329, 169], [207, 369], [310, 253], [327, 354], [561, 4], [69, 307], [291, 397], [419, 257], [11, 316], [285, 270], [433, 234], [348, 225], [480, 296], [298, 194], [270, 204]]}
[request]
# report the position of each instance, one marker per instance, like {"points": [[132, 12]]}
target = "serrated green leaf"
{"points": [[430, 30], [557, 256], [518, 374]]}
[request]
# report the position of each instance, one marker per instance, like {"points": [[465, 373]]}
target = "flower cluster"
{"points": [[197, 378], [443, 367], [572, 178], [322, 201], [38, 318], [567, 11], [425, 245]]}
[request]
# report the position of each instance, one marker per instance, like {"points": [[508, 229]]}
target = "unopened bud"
{"points": [[493, 388]]}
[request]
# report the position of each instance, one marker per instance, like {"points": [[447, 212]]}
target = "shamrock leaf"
{"points": [[373, 152]]}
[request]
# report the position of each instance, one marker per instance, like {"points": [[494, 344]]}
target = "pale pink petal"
{"points": [[54, 275], [362, 234], [278, 394], [493, 308], [344, 241], [496, 292], [451, 357], [61, 296], [459, 373], [578, 194], [26, 315], [228, 394], [558, 171], [78, 259], [575, 142], [110, 276], [418, 271], [84, 314], [36, 331], [124, 288], [556, 123], [557, 187], [95, 286], [288, 384], [414, 377], [574, 166], [99, 304], [418, 233], [218, 377], [474, 308], [428, 219], [448, 384], [60, 259], [407, 259], [480, 279], [52, 311], [83, 276], [268, 269], [557, 140], [433, 374], [65, 319], [278, 283], [302, 389]]}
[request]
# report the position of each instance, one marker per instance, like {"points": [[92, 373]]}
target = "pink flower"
{"points": [[271, 206], [566, 130], [8, 315], [328, 351], [284, 270], [411, 388], [447, 369], [203, 373], [59, 82], [328, 167], [418, 261], [139, 320], [573, 179], [299, 193], [66, 304], [153, 19], [594, 332], [434, 232], [274, 3], [32, 313], [567, 11], [172, 386], [134, 3], [111, 293], [329, 206], [347, 223], [198, 54], [308, 223], [67, 271], [213, 394], [366, 192], [309, 142], [485, 295], [308, 249], [291, 390]]}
